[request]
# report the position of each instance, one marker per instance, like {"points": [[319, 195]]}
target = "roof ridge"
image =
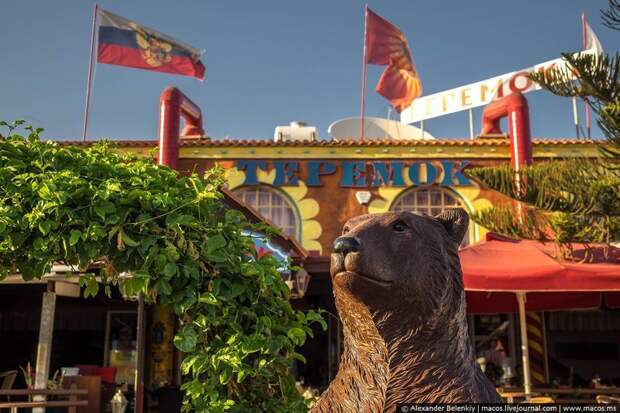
{"points": [[197, 142]]}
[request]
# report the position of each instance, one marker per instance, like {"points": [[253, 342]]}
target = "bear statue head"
{"points": [[399, 266]]}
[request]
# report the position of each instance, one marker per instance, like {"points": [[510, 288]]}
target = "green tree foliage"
{"points": [[182, 248], [572, 200], [597, 83], [568, 200]]}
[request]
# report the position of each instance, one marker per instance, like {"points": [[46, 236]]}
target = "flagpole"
{"points": [[576, 116], [585, 102], [471, 124], [363, 100], [90, 73]]}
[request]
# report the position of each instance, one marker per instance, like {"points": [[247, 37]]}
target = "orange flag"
{"points": [[387, 45]]}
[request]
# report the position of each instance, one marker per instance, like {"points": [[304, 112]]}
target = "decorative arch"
{"points": [[273, 204], [431, 200], [469, 195]]}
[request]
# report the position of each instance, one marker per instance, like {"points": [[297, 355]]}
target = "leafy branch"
{"points": [[183, 249]]}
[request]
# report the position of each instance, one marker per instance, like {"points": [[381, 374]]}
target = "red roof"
{"points": [[200, 142]]}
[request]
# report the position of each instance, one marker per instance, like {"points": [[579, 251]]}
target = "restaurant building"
{"points": [[311, 187]]}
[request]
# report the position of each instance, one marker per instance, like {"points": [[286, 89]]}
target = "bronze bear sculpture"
{"points": [[398, 288]]}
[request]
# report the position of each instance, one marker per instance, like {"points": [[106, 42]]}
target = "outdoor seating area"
{"points": [[83, 389]]}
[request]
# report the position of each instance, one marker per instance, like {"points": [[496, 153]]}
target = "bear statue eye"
{"points": [[345, 230], [399, 226]]}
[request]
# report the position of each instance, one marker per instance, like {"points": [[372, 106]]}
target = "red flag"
{"points": [[387, 45]]}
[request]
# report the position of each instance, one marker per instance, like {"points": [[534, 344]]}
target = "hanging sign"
{"points": [[479, 93]]}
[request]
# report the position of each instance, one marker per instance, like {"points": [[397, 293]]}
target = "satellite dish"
{"points": [[376, 128]]}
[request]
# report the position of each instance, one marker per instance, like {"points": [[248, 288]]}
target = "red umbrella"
{"points": [[505, 275], [496, 269]]}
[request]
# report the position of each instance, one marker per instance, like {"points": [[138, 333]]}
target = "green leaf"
{"points": [[45, 227], [74, 236], [127, 240], [99, 210], [208, 298], [225, 375], [252, 345], [233, 216], [241, 375], [237, 289], [297, 335], [162, 286], [216, 257], [170, 270], [186, 339], [215, 242], [90, 285], [313, 316], [299, 357]]}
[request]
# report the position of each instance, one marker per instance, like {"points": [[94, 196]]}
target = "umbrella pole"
{"points": [[525, 354]]}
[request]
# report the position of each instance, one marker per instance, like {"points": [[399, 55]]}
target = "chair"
{"points": [[7, 379], [541, 400]]}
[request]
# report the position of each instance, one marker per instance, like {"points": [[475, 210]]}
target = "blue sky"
{"points": [[271, 62]]}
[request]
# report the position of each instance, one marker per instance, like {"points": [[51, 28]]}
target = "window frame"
{"points": [[445, 191], [285, 199]]}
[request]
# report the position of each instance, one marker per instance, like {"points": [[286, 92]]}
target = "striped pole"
{"points": [[536, 343]]}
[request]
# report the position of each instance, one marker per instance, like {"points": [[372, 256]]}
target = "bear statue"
{"points": [[398, 288]]}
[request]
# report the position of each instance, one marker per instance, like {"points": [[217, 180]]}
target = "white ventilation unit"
{"points": [[295, 131]]}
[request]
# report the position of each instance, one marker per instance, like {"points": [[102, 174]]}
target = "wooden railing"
{"points": [[71, 402]]}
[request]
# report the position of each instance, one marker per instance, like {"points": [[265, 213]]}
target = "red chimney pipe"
{"points": [[513, 106], [174, 105]]}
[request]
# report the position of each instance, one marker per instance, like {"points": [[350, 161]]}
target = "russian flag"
{"points": [[126, 43]]}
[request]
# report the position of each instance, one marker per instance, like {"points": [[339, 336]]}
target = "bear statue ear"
{"points": [[455, 221]]}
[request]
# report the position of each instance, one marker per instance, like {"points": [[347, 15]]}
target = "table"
{"points": [[93, 385]]}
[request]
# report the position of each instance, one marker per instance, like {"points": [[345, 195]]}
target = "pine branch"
{"points": [[503, 220], [611, 16], [561, 228], [575, 186], [585, 75], [597, 81]]}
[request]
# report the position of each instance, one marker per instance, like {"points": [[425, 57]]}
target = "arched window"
{"points": [[271, 204], [431, 201]]}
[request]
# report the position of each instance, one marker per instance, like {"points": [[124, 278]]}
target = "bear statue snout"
{"points": [[345, 245]]}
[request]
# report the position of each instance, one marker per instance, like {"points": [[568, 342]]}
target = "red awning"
{"points": [[495, 269]]}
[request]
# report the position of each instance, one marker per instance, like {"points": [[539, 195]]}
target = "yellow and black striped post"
{"points": [[536, 343]]}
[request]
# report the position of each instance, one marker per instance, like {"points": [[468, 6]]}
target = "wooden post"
{"points": [[525, 354], [141, 322], [44, 348], [72, 398]]}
